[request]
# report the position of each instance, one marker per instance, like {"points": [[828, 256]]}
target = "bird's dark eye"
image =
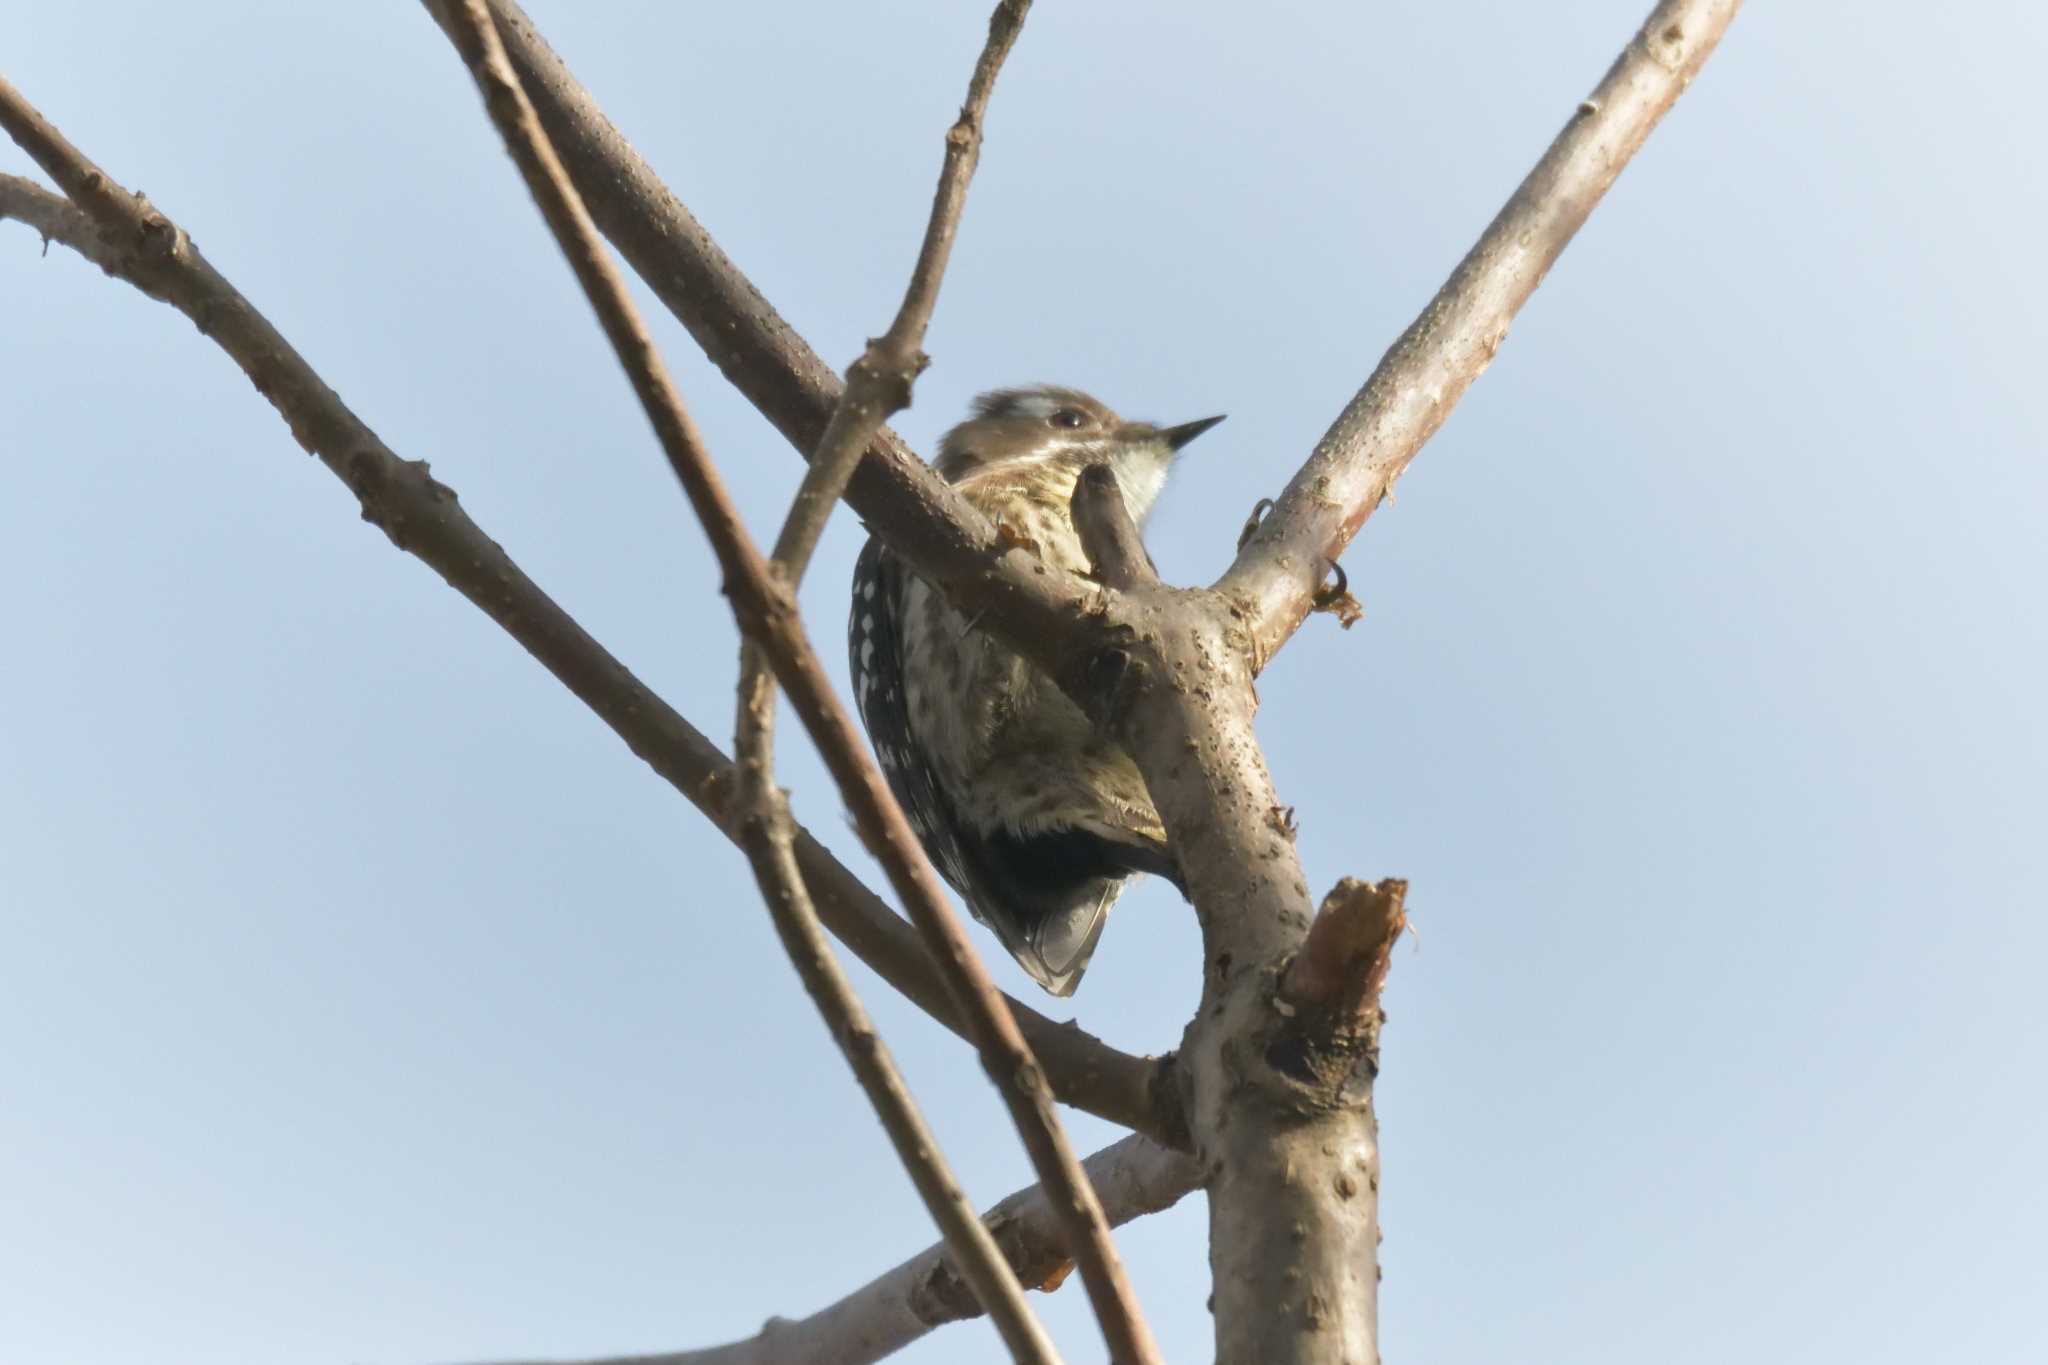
{"points": [[1068, 418]]}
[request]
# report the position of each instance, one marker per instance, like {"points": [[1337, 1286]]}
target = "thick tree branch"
{"points": [[1291, 1167], [1280, 1104], [135, 243], [1429, 368], [767, 613]]}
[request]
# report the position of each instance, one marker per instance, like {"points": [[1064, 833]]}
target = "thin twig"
{"points": [[1452, 341], [423, 517], [904, 1304], [765, 838], [767, 611], [878, 383]]}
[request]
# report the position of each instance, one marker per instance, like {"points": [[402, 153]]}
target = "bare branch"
{"points": [[1330, 993], [765, 828], [738, 329], [1276, 575], [1108, 535], [1135, 1177], [1030, 605], [878, 383], [766, 836], [1343, 961], [767, 612], [55, 218], [1283, 1124], [423, 517], [1291, 1167], [1086, 1073], [1429, 368]]}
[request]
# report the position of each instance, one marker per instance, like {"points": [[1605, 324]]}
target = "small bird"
{"points": [[1035, 817]]}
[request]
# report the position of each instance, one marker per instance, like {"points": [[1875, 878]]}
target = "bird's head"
{"points": [[1061, 431]]}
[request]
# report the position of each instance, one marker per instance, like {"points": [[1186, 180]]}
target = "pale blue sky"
{"points": [[365, 1001]]}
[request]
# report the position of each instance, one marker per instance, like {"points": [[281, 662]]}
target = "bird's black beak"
{"points": [[1176, 437]]}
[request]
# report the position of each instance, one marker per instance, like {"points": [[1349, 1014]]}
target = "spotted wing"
{"points": [[1046, 897], [874, 642]]}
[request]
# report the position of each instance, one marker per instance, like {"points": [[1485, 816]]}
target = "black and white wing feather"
{"points": [[1046, 897], [874, 642]]}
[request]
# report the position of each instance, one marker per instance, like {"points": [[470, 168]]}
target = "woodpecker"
{"points": [[1035, 817]]}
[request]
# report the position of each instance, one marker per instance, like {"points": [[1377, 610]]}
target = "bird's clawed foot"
{"points": [[1336, 599], [1251, 523]]}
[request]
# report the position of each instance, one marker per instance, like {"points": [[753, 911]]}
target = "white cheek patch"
{"points": [[1141, 473]]}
